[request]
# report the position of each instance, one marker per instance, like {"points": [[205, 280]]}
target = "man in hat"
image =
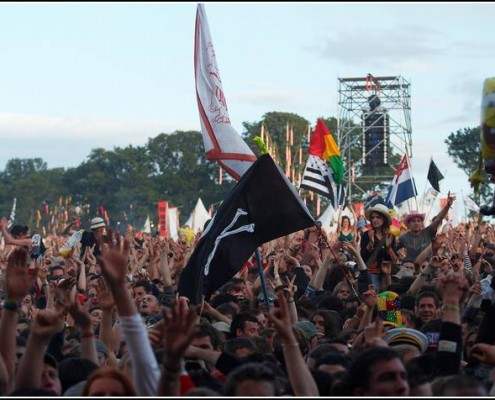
{"points": [[419, 237], [90, 238]]}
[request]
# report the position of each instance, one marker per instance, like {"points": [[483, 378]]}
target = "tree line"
{"points": [[129, 182]]}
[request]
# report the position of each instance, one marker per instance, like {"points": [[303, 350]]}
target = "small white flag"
{"points": [[470, 204]]}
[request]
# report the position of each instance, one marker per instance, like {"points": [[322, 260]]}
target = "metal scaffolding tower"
{"points": [[357, 100]]}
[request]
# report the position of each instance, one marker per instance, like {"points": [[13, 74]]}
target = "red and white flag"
{"points": [[222, 142]]}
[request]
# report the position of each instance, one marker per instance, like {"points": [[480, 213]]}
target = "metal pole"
{"points": [[262, 278], [339, 263]]}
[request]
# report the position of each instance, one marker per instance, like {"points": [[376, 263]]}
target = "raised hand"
{"points": [[484, 353], [89, 254], [373, 334], [114, 259], [279, 317], [350, 247], [46, 323], [104, 295], [18, 279], [370, 298], [450, 199], [291, 289], [80, 314], [178, 330], [64, 293], [389, 240], [453, 288]]}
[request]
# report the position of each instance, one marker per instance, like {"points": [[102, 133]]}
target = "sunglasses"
{"points": [[262, 299]]}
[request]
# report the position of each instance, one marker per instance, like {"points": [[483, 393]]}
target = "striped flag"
{"points": [[402, 186], [222, 142], [324, 169], [12, 215], [318, 178]]}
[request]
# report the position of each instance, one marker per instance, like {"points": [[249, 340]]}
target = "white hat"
{"points": [[97, 223], [222, 326], [409, 336], [380, 209]]}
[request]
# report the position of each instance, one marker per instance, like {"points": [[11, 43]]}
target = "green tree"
{"points": [[463, 146], [31, 183], [182, 173]]}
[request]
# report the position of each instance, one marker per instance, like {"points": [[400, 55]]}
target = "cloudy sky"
{"points": [[76, 76]]}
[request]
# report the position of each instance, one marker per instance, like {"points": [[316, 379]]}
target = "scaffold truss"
{"points": [[354, 102]]}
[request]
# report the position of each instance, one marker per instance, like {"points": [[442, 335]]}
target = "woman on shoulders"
{"points": [[346, 231], [377, 243]]}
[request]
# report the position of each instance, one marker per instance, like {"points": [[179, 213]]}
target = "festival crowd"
{"points": [[363, 311]]}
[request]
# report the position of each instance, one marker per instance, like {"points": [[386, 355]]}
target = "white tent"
{"points": [[147, 225], [198, 217], [173, 223], [329, 218]]}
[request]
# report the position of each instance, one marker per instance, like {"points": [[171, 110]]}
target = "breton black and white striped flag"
{"points": [[12, 215], [318, 178]]}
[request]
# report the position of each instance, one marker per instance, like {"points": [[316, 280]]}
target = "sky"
{"points": [[78, 76]]}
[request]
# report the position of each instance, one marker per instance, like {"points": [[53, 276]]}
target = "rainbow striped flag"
{"points": [[323, 146], [324, 169]]}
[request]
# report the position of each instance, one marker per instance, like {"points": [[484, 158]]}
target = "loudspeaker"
{"points": [[376, 133]]}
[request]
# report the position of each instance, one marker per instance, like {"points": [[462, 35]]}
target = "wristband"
{"points": [[172, 370], [87, 335], [290, 344], [450, 307], [10, 305]]}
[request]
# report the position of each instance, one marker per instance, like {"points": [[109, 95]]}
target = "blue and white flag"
{"points": [[402, 186]]}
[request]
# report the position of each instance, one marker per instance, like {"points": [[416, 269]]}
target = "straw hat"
{"points": [[380, 209]]}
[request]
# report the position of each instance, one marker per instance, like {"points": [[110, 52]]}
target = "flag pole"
{"points": [[426, 183], [431, 206], [262, 278], [465, 207], [412, 176]]}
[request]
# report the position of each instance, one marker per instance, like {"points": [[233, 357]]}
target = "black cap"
{"points": [[50, 360]]}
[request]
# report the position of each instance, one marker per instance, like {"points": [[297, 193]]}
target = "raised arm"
{"points": [[178, 333], [9, 239], [18, 283], [443, 212], [82, 319], [107, 304], [300, 377], [46, 323], [146, 371]]}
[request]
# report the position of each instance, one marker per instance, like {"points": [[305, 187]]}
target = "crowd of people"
{"points": [[363, 311]]}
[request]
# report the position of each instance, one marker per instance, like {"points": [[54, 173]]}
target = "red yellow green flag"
{"points": [[324, 146]]}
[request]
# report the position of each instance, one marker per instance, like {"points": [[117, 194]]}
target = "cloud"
{"points": [[471, 49], [416, 66], [270, 95], [67, 141], [25, 126], [380, 46]]}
